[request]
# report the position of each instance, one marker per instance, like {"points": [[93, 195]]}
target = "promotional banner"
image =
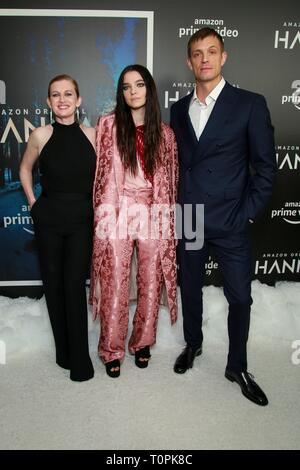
{"points": [[93, 45], [44, 46]]}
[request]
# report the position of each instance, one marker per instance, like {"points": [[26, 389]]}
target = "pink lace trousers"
{"points": [[114, 282]]}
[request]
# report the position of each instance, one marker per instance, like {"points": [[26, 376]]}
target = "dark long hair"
{"points": [[126, 127]]}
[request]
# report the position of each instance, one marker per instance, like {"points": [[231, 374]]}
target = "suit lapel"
{"points": [[185, 120], [186, 131], [219, 117]]}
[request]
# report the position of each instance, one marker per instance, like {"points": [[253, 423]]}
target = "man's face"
{"points": [[207, 59]]}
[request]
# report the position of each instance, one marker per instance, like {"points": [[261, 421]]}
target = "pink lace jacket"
{"points": [[108, 189]]}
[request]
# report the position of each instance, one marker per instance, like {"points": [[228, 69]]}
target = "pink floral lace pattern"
{"points": [[108, 189], [114, 282]]}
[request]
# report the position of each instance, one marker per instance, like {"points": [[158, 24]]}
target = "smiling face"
{"points": [[134, 90], [206, 60], [63, 100]]}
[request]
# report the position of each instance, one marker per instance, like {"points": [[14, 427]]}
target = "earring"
{"points": [[51, 116], [77, 114]]}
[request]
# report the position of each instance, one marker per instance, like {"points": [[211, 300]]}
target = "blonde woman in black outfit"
{"points": [[63, 218]]}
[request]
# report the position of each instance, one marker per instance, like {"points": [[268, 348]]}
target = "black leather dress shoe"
{"points": [[249, 387], [185, 360]]}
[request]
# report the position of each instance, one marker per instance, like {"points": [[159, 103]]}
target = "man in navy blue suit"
{"points": [[227, 163]]}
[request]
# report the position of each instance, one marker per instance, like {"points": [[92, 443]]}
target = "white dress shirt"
{"points": [[200, 112]]}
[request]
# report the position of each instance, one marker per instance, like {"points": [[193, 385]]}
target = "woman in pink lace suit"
{"points": [[134, 202]]}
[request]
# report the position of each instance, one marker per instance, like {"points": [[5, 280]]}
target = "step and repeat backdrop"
{"points": [[93, 43]]}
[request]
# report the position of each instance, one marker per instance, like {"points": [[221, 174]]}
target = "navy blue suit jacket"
{"points": [[231, 168]]}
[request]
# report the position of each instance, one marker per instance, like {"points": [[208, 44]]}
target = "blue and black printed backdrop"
{"points": [[94, 43]]}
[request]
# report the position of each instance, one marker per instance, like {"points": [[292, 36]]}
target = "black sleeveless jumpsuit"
{"points": [[63, 219]]}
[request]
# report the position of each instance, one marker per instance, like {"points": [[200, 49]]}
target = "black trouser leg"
{"points": [[64, 257], [77, 252], [191, 278], [233, 254], [238, 328], [50, 244]]}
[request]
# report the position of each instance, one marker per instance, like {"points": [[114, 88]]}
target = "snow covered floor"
{"points": [[41, 408]]}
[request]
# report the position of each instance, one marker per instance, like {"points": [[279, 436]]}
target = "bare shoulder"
{"points": [[42, 132], [36, 142], [40, 136], [90, 132]]}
